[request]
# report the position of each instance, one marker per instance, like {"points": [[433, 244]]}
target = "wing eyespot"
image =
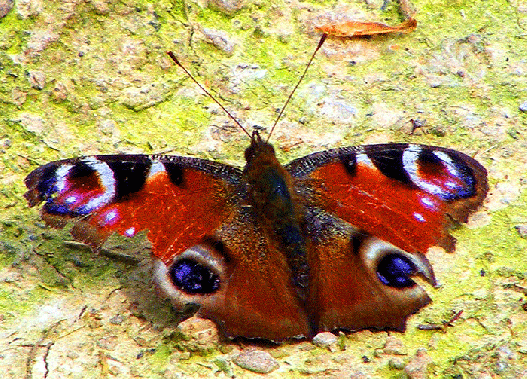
{"points": [[395, 270], [393, 267], [194, 278], [440, 173], [197, 271]]}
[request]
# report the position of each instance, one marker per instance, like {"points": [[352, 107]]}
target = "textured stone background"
{"points": [[82, 77]]}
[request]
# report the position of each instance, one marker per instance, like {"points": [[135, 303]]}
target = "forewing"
{"points": [[177, 199], [407, 195]]}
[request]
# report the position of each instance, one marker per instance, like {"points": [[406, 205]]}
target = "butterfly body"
{"points": [[329, 241]]}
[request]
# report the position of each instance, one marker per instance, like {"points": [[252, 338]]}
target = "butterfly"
{"points": [[329, 241]]}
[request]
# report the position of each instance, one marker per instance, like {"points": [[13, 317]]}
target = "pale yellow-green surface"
{"points": [[85, 77]]}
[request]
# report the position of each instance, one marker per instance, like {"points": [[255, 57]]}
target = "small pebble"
{"points": [[338, 110], [417, 367], [256, 361], [505, 353], [394, 346], [139, 98], [325, 339], [32, 123], [522, 230], [220, 39], [522, 346], [107, 127], [5, 7], [201, 332], [396, 363], [523, 106], [117, 320], [37, 79], [358, 375], [29, 8], [59, 92], [108, 343], [228, 6]]}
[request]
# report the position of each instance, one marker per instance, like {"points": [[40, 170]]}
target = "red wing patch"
{"points": [[175, 217], [383, 207]]}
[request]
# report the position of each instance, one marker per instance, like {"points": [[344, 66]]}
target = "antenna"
{"points": [[322, 39], [176, 61]]}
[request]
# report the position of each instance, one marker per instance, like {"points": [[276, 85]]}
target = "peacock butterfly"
{"points": [[329, 241]]}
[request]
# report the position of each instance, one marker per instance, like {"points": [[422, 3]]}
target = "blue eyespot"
{"points": [[395, 270], [194, 278]]}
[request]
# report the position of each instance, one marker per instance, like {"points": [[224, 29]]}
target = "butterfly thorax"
{"points": [[268, 183], [271, 197]]}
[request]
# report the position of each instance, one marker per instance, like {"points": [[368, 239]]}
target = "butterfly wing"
{"points": [[177, 199], [255, 296], [374, 212]]}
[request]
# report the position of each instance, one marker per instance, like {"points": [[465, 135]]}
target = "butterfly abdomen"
{"points": [[269, 188]]}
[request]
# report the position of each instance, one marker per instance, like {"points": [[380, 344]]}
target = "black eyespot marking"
{"points": [[395, 270], [175, 173], [129, 176], [194, 278], [389, 162], [48, 187], [80, 170], [427, 156], [350, 162]]}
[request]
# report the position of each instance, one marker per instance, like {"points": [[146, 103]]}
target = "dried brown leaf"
{"points": [[362, 28]]}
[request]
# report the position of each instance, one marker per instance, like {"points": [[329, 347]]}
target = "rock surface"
{"points": [[92, 77]]}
